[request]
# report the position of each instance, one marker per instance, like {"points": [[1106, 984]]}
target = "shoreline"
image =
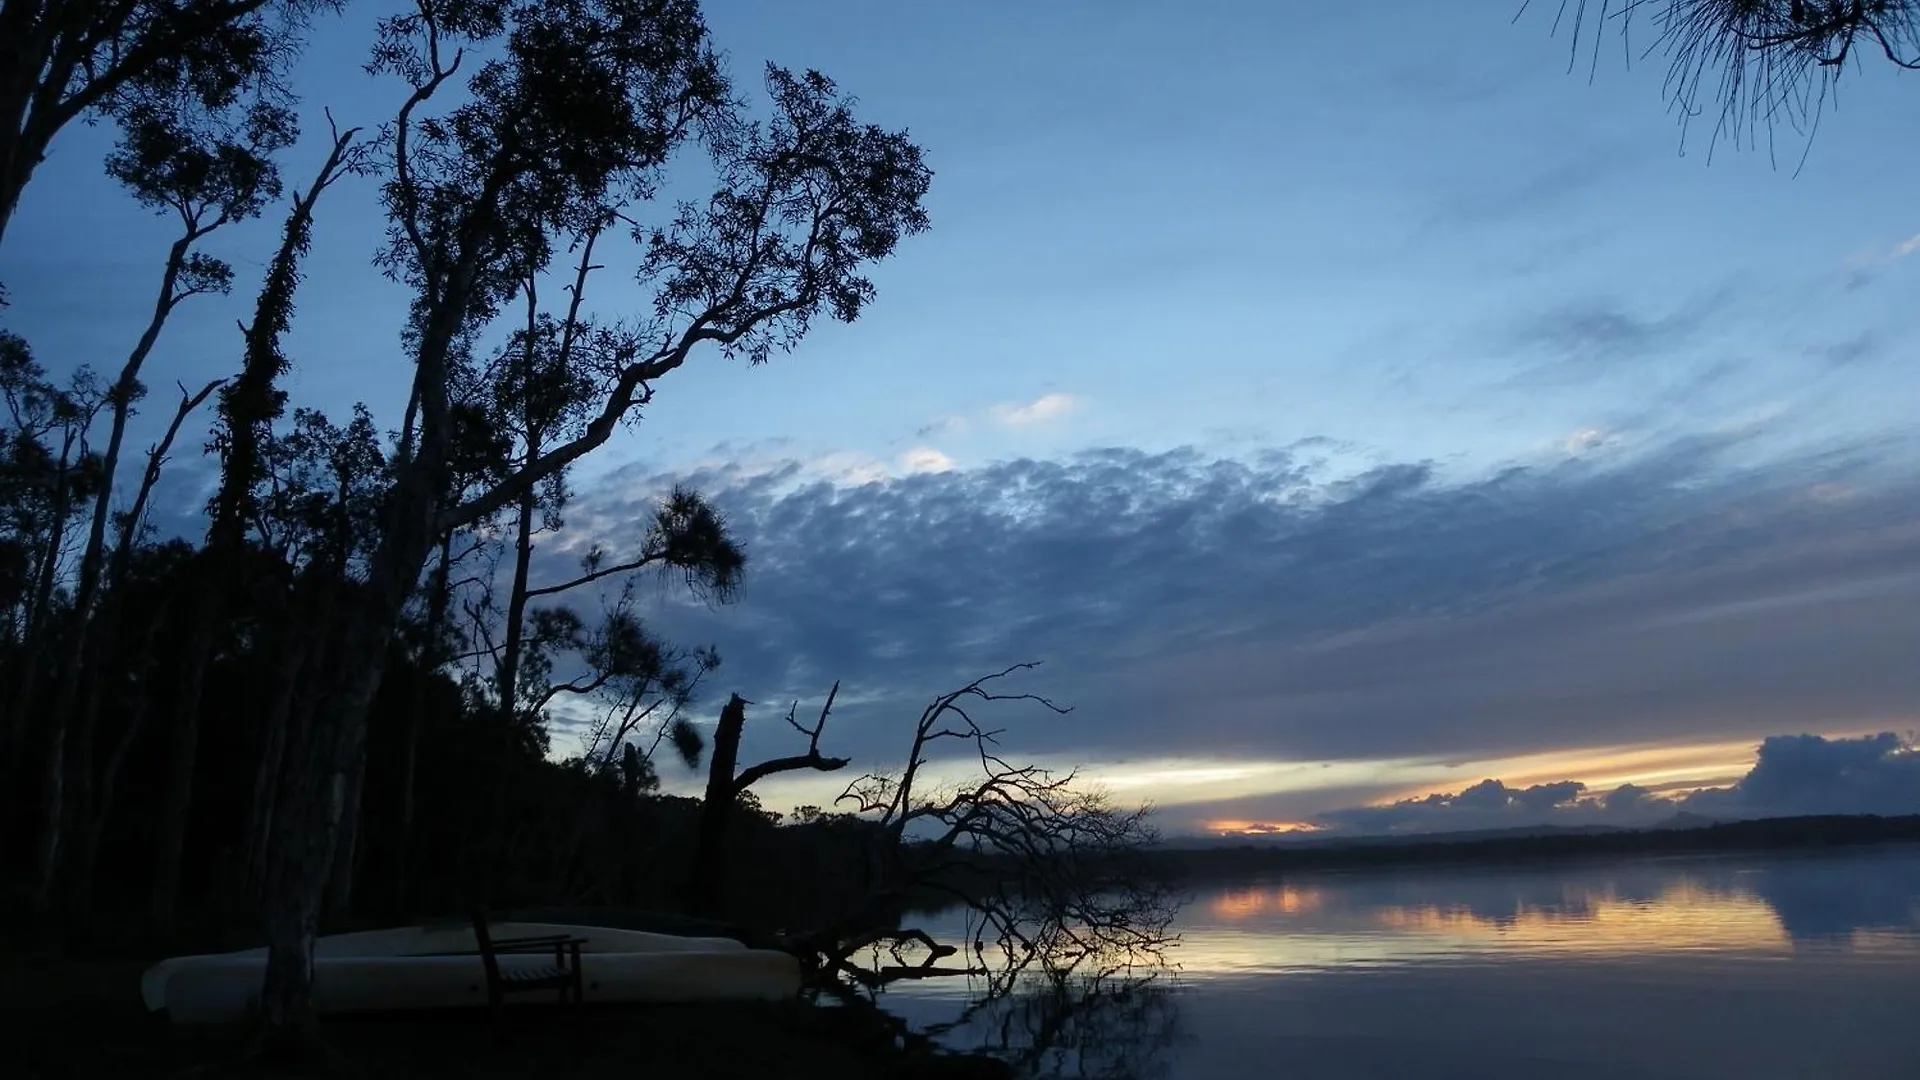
{"points": [[80, 1017]]}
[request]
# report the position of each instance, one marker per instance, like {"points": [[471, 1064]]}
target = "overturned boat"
{"points": [[440, 967]]}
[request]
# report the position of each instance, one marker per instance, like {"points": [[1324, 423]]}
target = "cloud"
{"points": [[1039, 411], [1792, 775], [1852, 351], [1572, 337], [1862, 260], [1249, 607], [1807, 774], [925, 459], [1863, 267], [1587, 439], [1487, 804], [1528, 200]]}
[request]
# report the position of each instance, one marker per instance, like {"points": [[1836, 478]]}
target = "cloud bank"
{"points": [[1793, 775], [1259, 608]]}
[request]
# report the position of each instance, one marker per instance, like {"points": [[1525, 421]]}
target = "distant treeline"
{"points": [[1766, 834]]}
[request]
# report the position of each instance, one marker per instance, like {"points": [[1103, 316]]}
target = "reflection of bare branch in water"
{"points": [[1051, 871], [1115, 1026]]}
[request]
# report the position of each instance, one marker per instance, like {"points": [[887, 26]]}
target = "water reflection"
{"points": [[1116, 1028], [1638, 909], [1756, 967]]}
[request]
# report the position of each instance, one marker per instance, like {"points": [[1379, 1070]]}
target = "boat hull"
{"points": [[229, 990], [418, 941]]}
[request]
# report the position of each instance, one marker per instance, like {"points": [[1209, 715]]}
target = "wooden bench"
{"points": [[561, 976]]}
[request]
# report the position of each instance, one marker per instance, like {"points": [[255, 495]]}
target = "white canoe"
{"points": [[227, 992], [420, 940]]}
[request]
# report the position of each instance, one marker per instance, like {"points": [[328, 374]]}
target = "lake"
{"points": [[1756, 967]]}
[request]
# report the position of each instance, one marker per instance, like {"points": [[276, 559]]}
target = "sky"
{"points": [[1343, 403]]}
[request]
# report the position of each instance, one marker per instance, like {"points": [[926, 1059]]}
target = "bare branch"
{"points": [[812, 759], [589, 578]]}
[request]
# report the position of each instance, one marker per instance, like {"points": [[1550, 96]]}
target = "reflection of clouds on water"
{"points": [[1643, 908], [1821, 902], [1751, 966]]}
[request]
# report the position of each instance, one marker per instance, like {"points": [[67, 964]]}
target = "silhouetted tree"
{"points": [[726, 788], [93, 794], [52, 473], [580, 107], [206, 179], [1755, 61], [137, 60]]}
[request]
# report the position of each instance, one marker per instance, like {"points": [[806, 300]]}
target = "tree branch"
{"points": [[588, 579]]}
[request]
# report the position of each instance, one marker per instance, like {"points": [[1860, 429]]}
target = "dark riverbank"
{"points": [[67, 1014]]}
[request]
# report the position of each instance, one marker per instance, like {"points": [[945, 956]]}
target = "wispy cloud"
{"points": [[1039, 411], [1047, 407], [1573, 338], [1862, 260]]}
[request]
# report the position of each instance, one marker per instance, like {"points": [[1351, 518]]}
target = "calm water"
{"points": [[1795, 966]]}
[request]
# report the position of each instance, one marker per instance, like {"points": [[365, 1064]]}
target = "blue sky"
{"points": [[1269, 291]]}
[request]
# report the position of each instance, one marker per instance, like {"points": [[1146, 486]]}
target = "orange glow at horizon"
{"points": [[1260, 828]]}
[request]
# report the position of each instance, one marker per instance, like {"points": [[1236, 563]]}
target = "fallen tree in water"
{"points": [[1051, 871]]}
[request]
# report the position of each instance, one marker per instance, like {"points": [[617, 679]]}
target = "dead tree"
{"points": [[1048, 868], [724, 788]]}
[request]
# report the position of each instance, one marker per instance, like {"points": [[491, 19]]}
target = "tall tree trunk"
{"points": [[91, 811], [44, 63], [705, 895], [97, 810], [93, 557], [247, 407], [439, 598], [39, 630], [298, 658], [20, 153], [340, 878], [125, 388], [184, 748], [306, 820], [507, 679], [315, 788]]}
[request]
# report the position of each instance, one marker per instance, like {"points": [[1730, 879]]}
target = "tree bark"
{"points": [[438, 599], [716, 812], [508, 677], [307, 817], [340, 883]]}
